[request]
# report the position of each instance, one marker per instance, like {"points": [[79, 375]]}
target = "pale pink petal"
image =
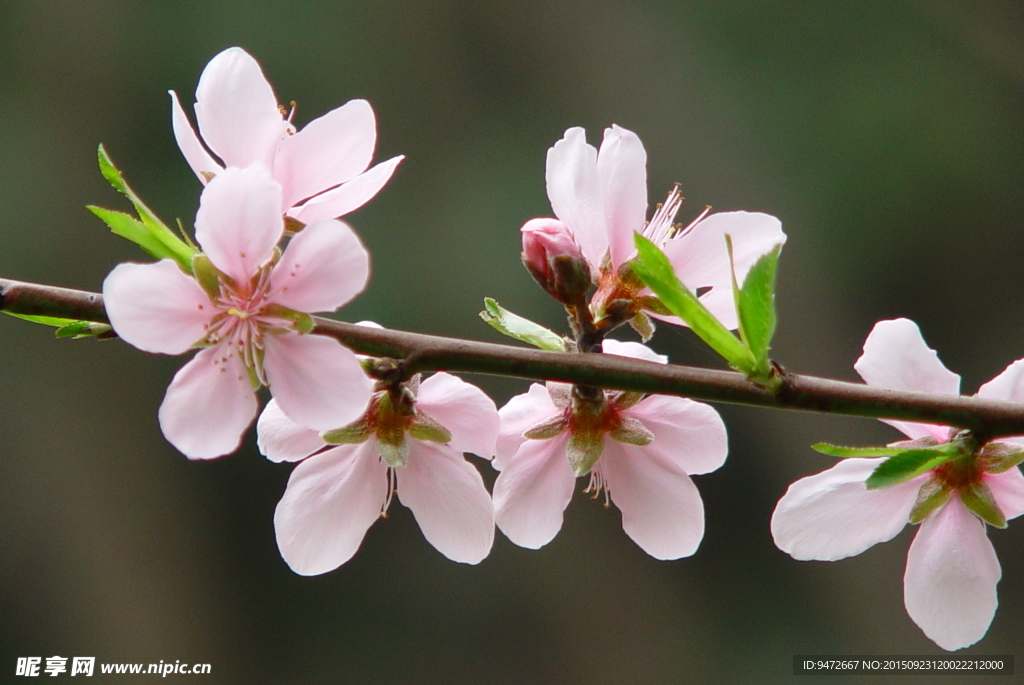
{"points": [[689, 434], [532, 492], [281, 439], [331, 501], [633, 350], [239, 221], [1008, 385], [208, 405], [622, 174], [1008, 489], [701, 259], [832, 515], [950, 585], [237, 110], [661, 508], [349, 196], [464, 409], [896, 356], [156, 307], [521, 413], [575, 193], [317, 382], [447, 496], [323, 267], [188, 142], [327, 152]]}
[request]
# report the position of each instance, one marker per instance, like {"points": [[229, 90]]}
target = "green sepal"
{"points": [[254, 377], [303, 322], [654, 268], [84, 329], [755, 307], [154, 236], [425, 427], [632, 432], [857, 452], [652, 304], [909, 464], [523, 330], [355, 433], [930, 497], [997, 457], [642, 324], [978, 498], [545, 430], [207, 275], [583, 451], [395, 453]]}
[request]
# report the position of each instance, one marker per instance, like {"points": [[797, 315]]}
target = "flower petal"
{"points": [[327, 152], [156, 307], [281, 439], [832, 515], [520, 414], [633, 350], [317, 382], [349, 196], [661, 508], [575, 193], [331, 501], [188, 142], [622, 174], [532, 492], [237, 110], [1008, 489], [239, 221], [447, 496], [950, 585], [701, 259], [687, 433], [1008, 385], [208, 405], [464, 409], [323, 267], [896, 356]]}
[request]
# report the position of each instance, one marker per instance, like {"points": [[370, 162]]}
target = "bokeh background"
{"points": [[888, 138]]}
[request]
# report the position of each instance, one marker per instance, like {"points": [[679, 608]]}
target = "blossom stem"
{"points": [[418, 352]]}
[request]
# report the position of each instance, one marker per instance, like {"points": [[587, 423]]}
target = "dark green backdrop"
{"points": [[887, 137]]}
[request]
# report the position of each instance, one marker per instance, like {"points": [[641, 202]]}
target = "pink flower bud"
{"points": [[555, 261]]}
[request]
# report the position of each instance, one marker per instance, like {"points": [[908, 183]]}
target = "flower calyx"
{"points": [[391, 417]]}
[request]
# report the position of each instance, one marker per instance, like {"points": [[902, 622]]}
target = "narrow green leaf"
{"points": [[83, 329], [172, 246], [653, 267], [846, 452], [129, 227], [523, 330], [45, 320], [909, 464], [756, 308]]}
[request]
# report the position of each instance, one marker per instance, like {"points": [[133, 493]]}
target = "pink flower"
{"points": [[244, 316], [950, 583], [639, 450], [411, 441], [601, 196], [322, 168], [555, 261]]}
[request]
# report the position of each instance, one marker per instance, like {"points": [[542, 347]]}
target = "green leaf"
{"points": [[45, 320], [523, 330], [67, 328], [129, 227], [654, 269], [909, 464], [846, 452], [756, 308], [161, 241]]}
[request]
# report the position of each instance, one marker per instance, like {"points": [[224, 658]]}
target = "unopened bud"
{"points": [[555, 261]]}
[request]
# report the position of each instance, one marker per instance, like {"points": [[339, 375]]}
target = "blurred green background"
{"points": [[887, 137]]}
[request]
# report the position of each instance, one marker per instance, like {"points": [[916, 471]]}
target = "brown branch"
{"points": [[418, 352]]}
